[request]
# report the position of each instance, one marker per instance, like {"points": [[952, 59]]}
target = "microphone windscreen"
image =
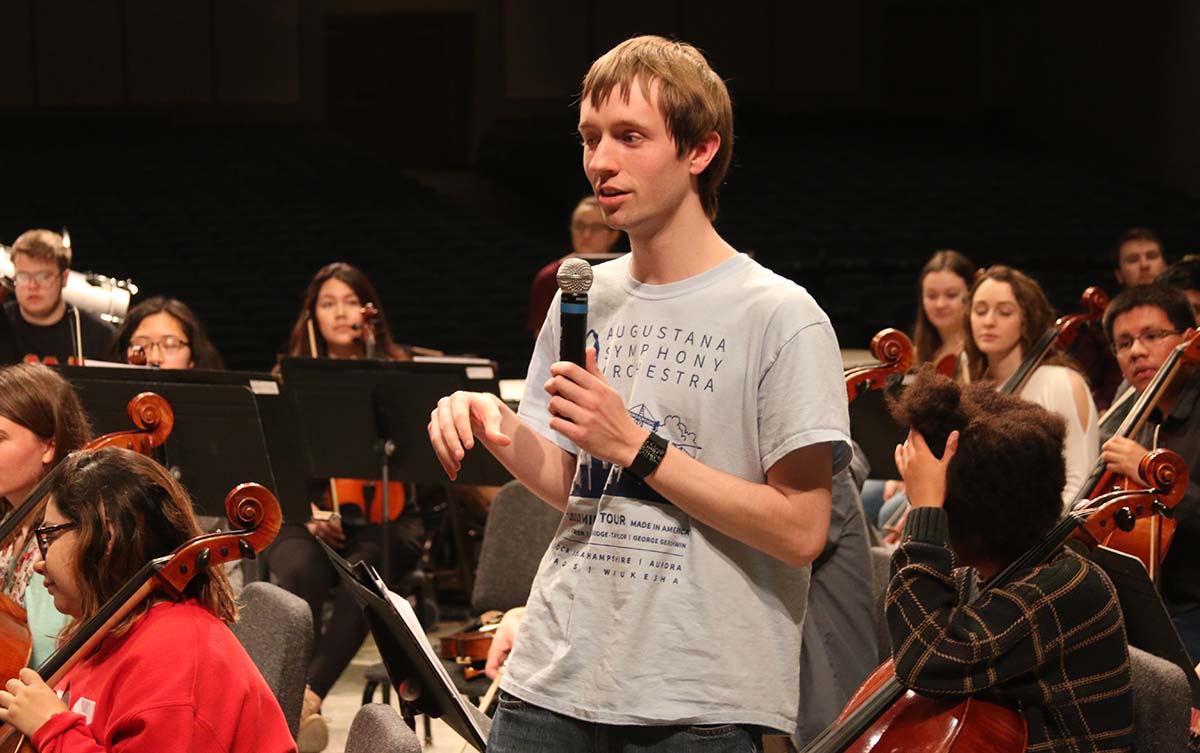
{"points": [[574, 276]]}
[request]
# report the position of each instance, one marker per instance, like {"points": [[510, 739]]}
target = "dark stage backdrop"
{"points": [[234, 220]]}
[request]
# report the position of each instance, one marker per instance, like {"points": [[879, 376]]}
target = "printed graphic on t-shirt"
{"points": [[629, 540], [662, 353]]}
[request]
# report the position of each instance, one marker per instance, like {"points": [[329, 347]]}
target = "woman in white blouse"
{"points": [[1007, 313]]}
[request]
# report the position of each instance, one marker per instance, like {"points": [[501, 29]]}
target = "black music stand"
{"points": [[1147, 623], [367, 419], [218, 440], [407, 654], [876, 432]]}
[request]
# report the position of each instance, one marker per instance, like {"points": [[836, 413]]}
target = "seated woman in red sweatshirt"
{"points": [[171, 676]]}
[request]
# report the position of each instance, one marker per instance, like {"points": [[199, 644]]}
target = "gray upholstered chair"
{"points": [[1161, 704], [378, 728], [519, 530], [881, 563], [276, 630]]}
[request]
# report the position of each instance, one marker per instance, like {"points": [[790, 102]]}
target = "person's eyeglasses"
{"points": [[41, 278], [168, 344], [47, 535], [1147, 339]]}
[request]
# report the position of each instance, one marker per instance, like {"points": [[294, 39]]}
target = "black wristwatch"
{"points": [[649, 456]]}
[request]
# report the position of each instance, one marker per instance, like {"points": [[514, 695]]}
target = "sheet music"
{"points": [[477, 719]]}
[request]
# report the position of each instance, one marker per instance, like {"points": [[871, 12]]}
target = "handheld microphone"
{"points": [[574, 280]]}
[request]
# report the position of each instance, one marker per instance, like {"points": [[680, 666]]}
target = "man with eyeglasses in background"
{"points": [[1144, 324], [46, 328]]}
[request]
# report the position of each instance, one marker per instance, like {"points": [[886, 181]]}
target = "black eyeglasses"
{"points": [[47, 535]]}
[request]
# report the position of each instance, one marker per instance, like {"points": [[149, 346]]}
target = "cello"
{"points": [[154, 419], [1062, 334], [885, 716], [1149, 538], [255, 516]]}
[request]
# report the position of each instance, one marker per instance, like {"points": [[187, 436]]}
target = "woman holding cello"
{"points": [[169, 675], [985, 474], [41, 421], [341, 317]]}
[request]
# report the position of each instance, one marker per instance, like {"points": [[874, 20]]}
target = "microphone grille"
{"points": [[574, 276]]}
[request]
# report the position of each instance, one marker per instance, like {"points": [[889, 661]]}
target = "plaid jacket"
{"points": [[1051, 643]]}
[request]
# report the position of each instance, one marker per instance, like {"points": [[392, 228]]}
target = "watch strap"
{"points": [[649, 456]]}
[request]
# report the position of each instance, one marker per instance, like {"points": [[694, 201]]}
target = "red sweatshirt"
{"points": [[177, 681]]}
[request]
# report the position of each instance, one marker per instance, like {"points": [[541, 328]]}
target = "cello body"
{"points": [[920, 724]]}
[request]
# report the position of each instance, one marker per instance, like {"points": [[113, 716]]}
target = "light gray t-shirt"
{"points": [[638, 614]]}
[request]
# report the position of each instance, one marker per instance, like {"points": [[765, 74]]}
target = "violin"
{"points": [[470, 646], [1061, 335], [896, 355], [255, 515], [884, 716], [359, 501], [1150, 538]]}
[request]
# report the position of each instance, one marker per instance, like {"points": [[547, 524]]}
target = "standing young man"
{"points": [[692, 458], [46, 328]]}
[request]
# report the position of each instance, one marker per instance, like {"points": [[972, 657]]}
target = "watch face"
{"points": [[656, 453]]}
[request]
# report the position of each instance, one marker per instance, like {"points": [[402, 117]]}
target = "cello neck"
{"points": [[1033, 359]]}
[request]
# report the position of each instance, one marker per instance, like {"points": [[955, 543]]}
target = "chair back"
{"points": [[378, 728], [519, 529], [1162, 705], [275, 628]]}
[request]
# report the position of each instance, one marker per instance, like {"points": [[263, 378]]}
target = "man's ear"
{"points": [[66, 275], [703, 152]]}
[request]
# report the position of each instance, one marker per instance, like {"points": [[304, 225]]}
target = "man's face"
{"points": [[1143, 337], [39, 285], [1139, 262], [629, 158]]}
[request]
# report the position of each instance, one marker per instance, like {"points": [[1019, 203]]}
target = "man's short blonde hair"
{"points": [[46, 245], [691, 96]]}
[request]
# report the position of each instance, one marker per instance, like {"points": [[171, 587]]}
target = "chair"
{"points": [[1161, 704], [519, 529], [881, 563], [276, 630], [378, 728]]}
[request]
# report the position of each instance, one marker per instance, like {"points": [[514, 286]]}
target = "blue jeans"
{"points": [[521, 727]]}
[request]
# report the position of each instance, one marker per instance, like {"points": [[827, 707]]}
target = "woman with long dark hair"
{"points": [[170, 675], [331, 325]]}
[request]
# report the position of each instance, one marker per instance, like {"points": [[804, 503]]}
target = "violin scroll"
{"points": [[896, 354], [253, 510], [1162, 470], [893, 348], [152, 414], [1094, 301]]}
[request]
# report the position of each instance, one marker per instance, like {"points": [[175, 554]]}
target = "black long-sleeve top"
{"points": [[1180, 431], [1051, 643]]}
